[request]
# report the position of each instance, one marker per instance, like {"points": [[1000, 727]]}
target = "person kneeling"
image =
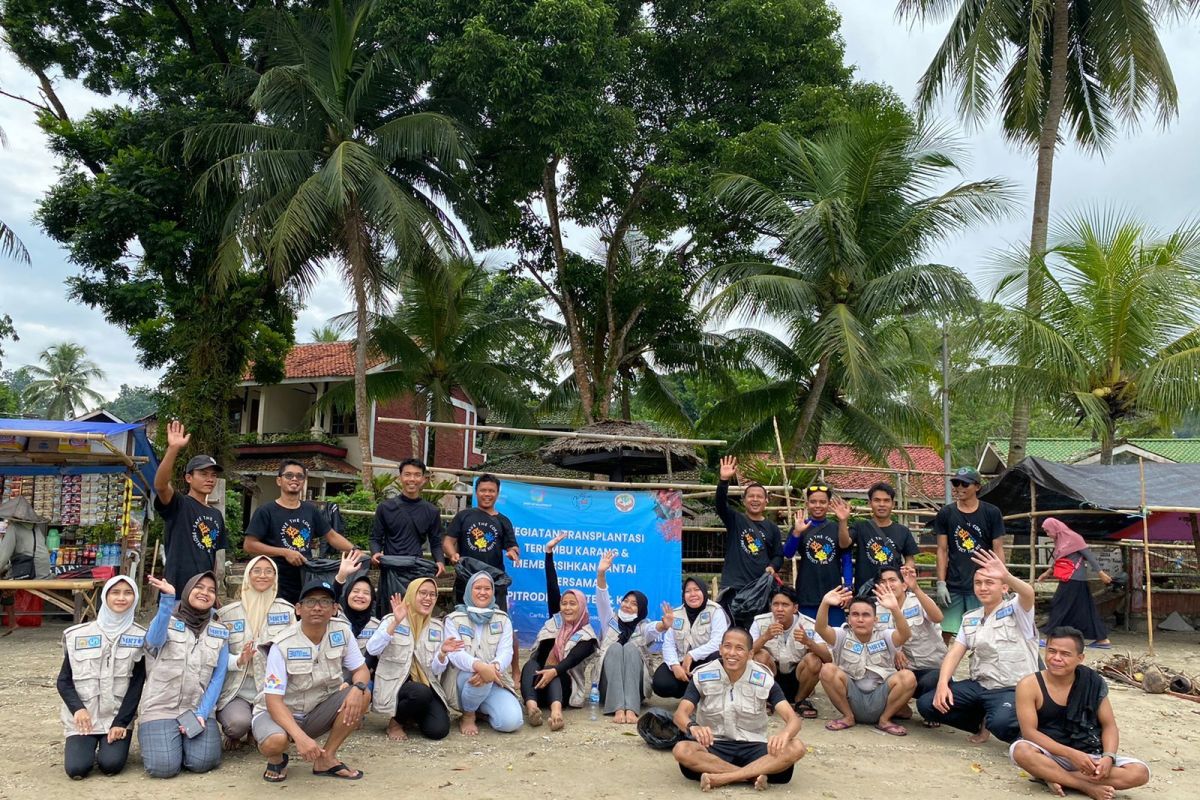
{"points": [[304, 695], [729, 741], [1069, 735]]}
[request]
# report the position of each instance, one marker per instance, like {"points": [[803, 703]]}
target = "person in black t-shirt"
{"points": [[481, 532], [193, 534], [403, 524], [752, 542], [878, 541], [963, 528], [814, 541], [287, 530]]}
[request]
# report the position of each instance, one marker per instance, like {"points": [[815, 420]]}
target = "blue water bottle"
{"points": [[594, 702]]}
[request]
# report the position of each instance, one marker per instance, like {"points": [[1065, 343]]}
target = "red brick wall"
{"points": [[393, 441]]}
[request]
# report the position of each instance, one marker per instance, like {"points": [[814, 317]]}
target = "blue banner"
{"points": [[644, 528]]}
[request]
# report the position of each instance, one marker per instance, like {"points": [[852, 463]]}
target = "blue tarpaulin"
{"points": [[34, 427]]}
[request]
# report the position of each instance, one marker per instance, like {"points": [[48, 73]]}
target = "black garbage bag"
{"points": [[321, 569], [752, 599], [657, 727], [397, 572], [467, 566]]}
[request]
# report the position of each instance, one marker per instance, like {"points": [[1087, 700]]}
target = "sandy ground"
{"points": [[588, 759]]}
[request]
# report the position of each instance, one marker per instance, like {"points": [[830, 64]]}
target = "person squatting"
{"points": [[264, 671]]}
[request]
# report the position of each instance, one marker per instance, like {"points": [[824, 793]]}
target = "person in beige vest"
{"points": [[729, 741], [101, 681], [925, 648], [693, 636], [255, 617], [304, 695], [1002, 639], [625, 660], [786, 643], [187, 657], [478, 678], [862, 681]]}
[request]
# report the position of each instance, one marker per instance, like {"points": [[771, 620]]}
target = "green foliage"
{"points": [[233, 521], [507, 295], [134, 402], [326, 333], [61, 385], [7, 331], [357, 527], [292, 437]]}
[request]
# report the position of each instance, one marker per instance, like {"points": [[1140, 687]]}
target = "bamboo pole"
{"points": [[787, 497], [603, 437], [1146, 558], [577, 481], [1032, 530], [867, 468]]}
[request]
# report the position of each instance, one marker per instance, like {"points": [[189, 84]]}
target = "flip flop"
{"points": [[892, 729], [806, 709], [1098, 646], [333, 771], [837, 725], [274, 772]]}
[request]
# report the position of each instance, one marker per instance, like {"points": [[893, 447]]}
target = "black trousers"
{"points": [[665, 684], [559, 690], [81, 753], [418, 704]]}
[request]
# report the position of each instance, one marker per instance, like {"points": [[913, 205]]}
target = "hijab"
{"points": [[194, 618], [565, 632], [112, 624], [477, 615], [358, 619], [1066, 541], [256, 604], [417, 623], [692, 613], [627, 627]]}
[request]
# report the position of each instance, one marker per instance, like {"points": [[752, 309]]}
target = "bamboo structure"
{"points": [[787, 497], [458, 426], [581, 482], [1146, 557]]}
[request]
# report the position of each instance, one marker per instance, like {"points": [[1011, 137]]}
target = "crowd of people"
{"points": [[302, 660]]}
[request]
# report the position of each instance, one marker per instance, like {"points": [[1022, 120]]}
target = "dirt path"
{"points": [[588, 759]]}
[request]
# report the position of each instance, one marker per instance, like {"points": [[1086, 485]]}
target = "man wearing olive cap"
{"points": [[194, 533], [963, 528]]}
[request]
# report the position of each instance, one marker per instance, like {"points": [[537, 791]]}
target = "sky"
{"points": [[1151, 172]]}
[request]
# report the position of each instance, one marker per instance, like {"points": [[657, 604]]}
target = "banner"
{"points": [[644, 528]]}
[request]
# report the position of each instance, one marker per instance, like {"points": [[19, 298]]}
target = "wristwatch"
{"points": [[362, 687], [1113, 756]]}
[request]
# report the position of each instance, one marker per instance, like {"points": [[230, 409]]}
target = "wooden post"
{"points": [[787, 497], [1033, 523], [1146, 559]]}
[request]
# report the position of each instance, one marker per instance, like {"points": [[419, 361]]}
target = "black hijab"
{"points": [[193, 617], [357, 619], [692, 613], [627, 629]]}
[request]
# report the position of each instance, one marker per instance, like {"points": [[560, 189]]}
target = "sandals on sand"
{"points": [[333, 771], [274, 773], [892, 729], [837, 725], [806, 709]]}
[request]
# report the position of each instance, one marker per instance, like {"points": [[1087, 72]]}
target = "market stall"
{"points": [[89, 484]]}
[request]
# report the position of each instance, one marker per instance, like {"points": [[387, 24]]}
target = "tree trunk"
{"points": [[1022, 405], [1107, 438], [362, 418], [809, 412], [414, 431], [626, 403]]}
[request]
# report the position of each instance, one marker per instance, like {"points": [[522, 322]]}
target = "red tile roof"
{"points": [[322, 360], [312, 463], [924, 459]]}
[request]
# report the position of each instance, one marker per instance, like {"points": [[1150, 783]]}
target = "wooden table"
{"points": [[82, 604]]}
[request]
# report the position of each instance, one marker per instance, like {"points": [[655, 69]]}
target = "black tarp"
{"points": [[1071, 487]]}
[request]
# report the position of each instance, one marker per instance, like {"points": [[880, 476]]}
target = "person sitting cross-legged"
{"points": [[1069, 736], [729, 742]]}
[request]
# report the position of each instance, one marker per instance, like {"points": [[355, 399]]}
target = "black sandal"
{"points": [[274, 773], [806, 709], [333, 771]]}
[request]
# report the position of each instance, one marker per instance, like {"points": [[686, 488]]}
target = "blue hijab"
{"points": [[477, 615]]}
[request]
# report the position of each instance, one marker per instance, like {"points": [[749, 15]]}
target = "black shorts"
{"points": [[740, 754]]}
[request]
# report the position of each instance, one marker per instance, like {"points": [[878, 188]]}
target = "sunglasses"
{"points": [[817, 487], [292, 476], [960, 484]]}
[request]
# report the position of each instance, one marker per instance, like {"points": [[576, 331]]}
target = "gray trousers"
{"points": [[235, 718], [166, 752], [621, 678]]}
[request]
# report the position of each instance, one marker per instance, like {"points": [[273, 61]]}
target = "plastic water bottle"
{"points": [[594, 703]]}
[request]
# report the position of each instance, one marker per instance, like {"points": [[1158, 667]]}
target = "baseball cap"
{"points": [[318, 585], [966, 475], [203, 462]]}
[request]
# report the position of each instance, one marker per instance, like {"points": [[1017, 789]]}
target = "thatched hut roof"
{"points": [[619, 457]]}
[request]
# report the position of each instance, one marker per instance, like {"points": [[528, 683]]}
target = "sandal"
{"points": [[838, 725], [806, 709], [274, 773], [892, 729], [333, 771]]}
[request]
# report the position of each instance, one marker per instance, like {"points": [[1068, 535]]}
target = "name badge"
{"points": [[466, 631], [811, 632], [129, 640], [758, 678], [612, 623], [1007, 611], [366, 633], [337, 638], [970, 622], [886, 618], [877, 646], [218, 631], [575, 637], [704, 677], [87, 642], [912, 612], [435, 634], [279, 618], [295, 653], [705, 616], [854, 647], [496, 627], [677, 624], [403, 630], [177, 625], [238, 625]]}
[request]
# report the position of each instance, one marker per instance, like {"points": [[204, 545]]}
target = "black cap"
{"points": [[967, 475], [318, 585], [203, 462]]}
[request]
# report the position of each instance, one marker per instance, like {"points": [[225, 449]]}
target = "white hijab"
{"points": [[111, 623]]}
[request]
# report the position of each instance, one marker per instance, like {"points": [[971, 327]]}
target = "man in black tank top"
{"points": [[1069, 737]]}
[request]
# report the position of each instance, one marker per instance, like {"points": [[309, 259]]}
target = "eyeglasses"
{"points": [[317, 602], [427, 594], [262, 573], [960, 484], [292, 476]]}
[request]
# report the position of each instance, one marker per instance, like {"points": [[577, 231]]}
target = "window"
{"points": [[343, 423]]}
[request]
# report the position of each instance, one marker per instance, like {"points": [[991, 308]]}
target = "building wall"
{"points": [[286, 408], [393, 441]]}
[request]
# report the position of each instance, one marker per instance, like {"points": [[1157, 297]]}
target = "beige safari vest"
{"points": [[650, 660], [483, 649], [239, 680], [580, 686], [784, 648], [858, 658], [395, 664], [426, 649], [925, 647], [736, 711], [1000, 653], [314, 672], [177, 677], [689, 636], [100, 670], [366, 633]]}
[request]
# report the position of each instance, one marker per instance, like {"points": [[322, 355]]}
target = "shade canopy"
{"points": [[616, 459]]}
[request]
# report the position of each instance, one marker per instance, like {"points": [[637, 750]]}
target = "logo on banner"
{"points": [[537, 495], [582, 501], [624, 502]]}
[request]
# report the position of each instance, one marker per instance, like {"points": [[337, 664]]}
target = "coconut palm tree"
{"points": [[326, 334], [61, 384], [345, 164], [1043, 64], [1118, 337], [848, 219], [10, 245]]}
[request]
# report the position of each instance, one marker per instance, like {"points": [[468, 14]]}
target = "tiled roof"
{"points": [[322, 360], [924, 459], [249, 465], [1181, 451]]}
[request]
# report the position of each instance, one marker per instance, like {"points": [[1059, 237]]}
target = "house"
{"points": [[1087, 451], [283, 420]]}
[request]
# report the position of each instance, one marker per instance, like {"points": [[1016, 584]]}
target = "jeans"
{"points": [[502, 708], [973, 704]]}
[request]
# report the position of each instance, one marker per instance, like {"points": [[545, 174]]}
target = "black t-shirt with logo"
{"points": [[298, 529], [819, 564], [876, 547], [481, 535], [192, 534], [750, 545], [966, 534]]}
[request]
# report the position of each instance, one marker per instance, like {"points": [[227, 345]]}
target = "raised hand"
{"points": [[885, 598], [841, 509], [247, 653], [163, 586], [991, 565], [728, 468], [668, 616], [177, 437], [606, 561], [351, 563], [837, 597], [399, 607], [452, 645], [909, 575], [553, 543]]}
